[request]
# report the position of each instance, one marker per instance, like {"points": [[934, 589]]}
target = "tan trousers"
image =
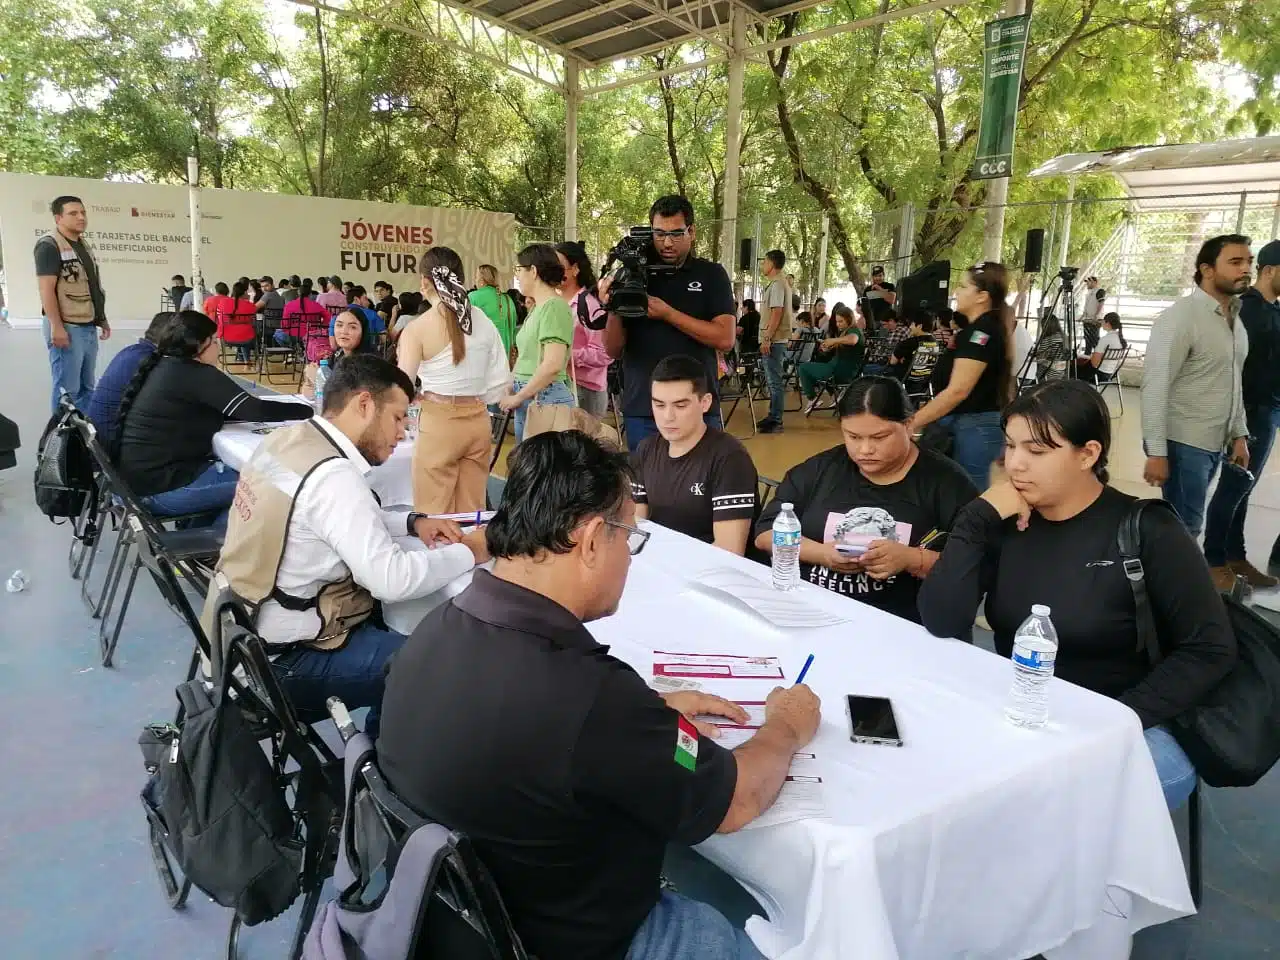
{"points": [[451, 457]]}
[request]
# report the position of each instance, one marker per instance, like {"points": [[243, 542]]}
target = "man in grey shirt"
{"points": [[775, 329], [1192, 404]]}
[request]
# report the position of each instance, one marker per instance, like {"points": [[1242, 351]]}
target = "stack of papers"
{"points": [[781, 608], [801, 796]]}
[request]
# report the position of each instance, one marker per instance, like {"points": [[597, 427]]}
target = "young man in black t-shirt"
{"points": [[691, 477]]}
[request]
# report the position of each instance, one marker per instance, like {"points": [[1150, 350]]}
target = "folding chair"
{"points": [[406, 886], [833, 388], [269, 351], [305, 768], [229, 353], [1118, 355], [143, 542], [308, 772], [735, 387]]}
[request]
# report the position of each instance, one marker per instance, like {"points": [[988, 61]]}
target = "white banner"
{"points": [[140, 234]]}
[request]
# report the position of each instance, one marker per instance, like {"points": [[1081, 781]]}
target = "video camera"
{"points": [[636, 259]]}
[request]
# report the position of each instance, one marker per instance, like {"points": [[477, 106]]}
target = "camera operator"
{"points": [[691, 311]]}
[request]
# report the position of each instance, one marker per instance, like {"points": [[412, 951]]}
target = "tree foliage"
{"points": [[848, 125]]}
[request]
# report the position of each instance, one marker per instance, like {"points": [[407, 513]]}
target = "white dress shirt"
{"points": [[338, 527]]}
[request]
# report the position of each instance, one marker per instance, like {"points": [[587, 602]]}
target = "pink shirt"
{"points": [[590, 359], [333, 300]]}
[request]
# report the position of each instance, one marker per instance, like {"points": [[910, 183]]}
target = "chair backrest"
{"points": [[1115, 354], [407, 887]]}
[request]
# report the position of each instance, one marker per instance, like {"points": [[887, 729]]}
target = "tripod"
{"points": [[1064, 296]]}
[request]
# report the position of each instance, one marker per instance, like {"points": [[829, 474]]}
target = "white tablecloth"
{"points": [[391, 481], [975, 840]]}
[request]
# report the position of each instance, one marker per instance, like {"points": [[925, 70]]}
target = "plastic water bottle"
{"points": [[322, 375], [16, 583], [786, 549], [1035, 648]]}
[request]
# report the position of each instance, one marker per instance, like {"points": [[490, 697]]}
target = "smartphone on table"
{"points": [[871, 720]]}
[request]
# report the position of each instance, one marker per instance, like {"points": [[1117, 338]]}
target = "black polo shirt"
{"points": [[699, 288], [503, 718], [983, 340]]}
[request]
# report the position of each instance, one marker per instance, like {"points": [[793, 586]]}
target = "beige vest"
{"points": [[75, 299], [258, 531]]}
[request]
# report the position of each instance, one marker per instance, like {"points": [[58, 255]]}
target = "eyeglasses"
{"points": [[636, 538], [670, 234]]}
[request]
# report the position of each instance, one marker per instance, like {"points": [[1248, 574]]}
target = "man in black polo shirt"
{"points": [[691, 311], [504, 719], [691, 477]]}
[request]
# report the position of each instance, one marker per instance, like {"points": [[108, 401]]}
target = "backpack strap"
{"points": [[1129, 540]]}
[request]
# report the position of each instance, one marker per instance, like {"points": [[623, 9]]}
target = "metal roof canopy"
{"points": [[527, 37], [1184, 176]]}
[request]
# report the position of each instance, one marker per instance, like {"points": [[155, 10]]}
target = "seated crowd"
{"points": [[571, 814]]}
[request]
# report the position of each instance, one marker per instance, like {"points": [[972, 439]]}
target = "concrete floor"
{"points": [[76, 880]]}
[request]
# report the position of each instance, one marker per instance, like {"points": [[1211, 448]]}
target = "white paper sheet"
{"points": [[781, 608]]}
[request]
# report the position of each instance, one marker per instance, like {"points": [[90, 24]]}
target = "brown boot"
{"points": [[1223, 578], [1252, 575]]}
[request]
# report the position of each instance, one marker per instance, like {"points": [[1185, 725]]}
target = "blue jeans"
{"points": [[211, 492], [355, 673], [1190, 472], [1224, 521], [1177, 775], [773, 376], [978, 443], [678, 928], [73, 366], [637, 428], [556, 392]]}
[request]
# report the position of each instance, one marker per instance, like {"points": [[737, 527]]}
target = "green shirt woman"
{"points": [[543, 342]]}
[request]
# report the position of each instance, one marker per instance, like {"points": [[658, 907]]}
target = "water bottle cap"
{"points": [[1039, 610], [789, 506]]}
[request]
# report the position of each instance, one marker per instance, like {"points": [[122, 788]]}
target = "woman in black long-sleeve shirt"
{"points": [[1048, 535], [169, 413]]}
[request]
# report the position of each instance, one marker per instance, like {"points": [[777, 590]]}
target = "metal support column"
{"points": [[822, 256], [193, 203], [1275, 220], [998, 191], [755, 267], [1065, 246], [733, 142], [572, 97]]}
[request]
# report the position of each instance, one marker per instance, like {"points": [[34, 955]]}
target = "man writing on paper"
{"points": [[691, 477], [505, 719], [310, 553]]}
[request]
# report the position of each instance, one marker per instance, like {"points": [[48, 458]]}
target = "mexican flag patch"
{"points": [[979, 338], [686, 743]]}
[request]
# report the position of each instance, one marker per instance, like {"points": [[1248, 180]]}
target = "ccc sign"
{"points": [[994, 168]]}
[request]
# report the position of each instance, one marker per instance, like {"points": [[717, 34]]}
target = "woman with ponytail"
{"points": [[981, 380], [1095, 367], [169, 413], [1049, 535], [590, 367], [456, 354], [235, 318]]}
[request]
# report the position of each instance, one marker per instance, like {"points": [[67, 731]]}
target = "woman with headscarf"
{"points": [[456, 354]]}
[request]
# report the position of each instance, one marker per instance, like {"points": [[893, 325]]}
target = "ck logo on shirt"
{"points": [[695, 286], [696, 490]]}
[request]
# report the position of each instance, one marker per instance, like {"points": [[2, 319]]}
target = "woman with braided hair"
{"points": [[456, 354], [169, 413]]}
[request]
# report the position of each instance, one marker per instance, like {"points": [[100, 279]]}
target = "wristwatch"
{"points": [[412, 520]]}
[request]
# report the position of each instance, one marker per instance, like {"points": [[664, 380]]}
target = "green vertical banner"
{"points": [[1006, 47]]}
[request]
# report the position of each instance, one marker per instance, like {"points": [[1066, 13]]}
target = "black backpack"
{"points": [[224, 814], [1232, 737], [64, 468]]}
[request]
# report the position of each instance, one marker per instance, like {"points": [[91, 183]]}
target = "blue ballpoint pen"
{"points": [[804, 670]]}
